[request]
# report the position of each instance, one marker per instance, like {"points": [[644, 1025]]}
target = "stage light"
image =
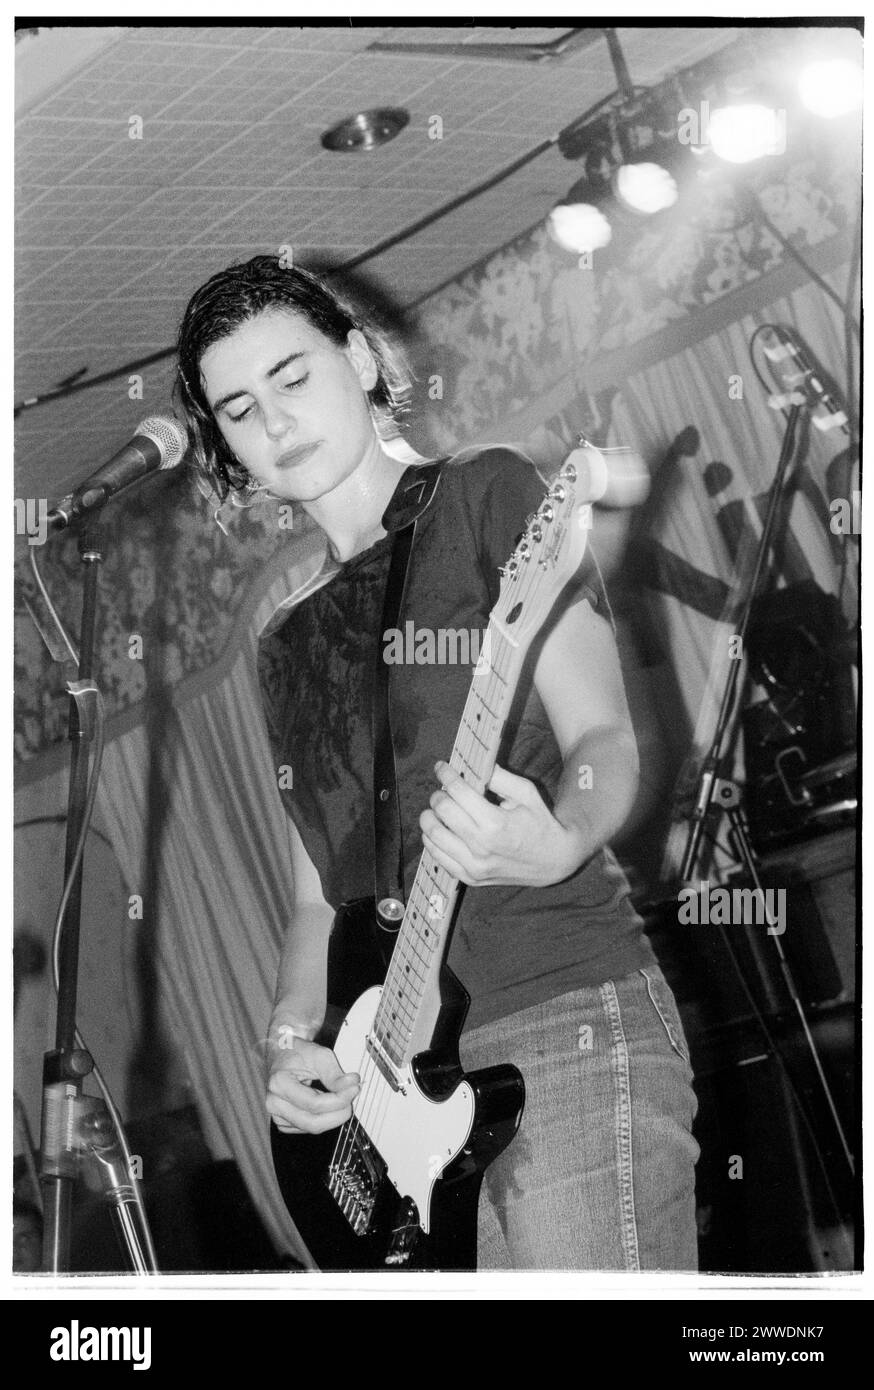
{"points": [[579, 227], [831, 87], [599, 165], [739, 134], [645, 188]]}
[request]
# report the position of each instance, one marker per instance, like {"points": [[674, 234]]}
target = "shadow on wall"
{"points": [[651, 684]]}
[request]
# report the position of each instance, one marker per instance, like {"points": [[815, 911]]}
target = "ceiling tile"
{"points": [[113, 234]]}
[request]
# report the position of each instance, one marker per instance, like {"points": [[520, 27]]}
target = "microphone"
{"points": [[800, 372], [159, 443]]}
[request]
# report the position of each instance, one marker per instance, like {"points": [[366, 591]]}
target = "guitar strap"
{"points": [[413, 494]]}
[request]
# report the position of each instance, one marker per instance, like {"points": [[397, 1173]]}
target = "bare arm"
{"points": [[579, 680], [301, 983], [294, 1061]]}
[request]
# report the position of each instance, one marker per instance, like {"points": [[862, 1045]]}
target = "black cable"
{"points": [[61, 819], [768, 385], [56, 393], [388, 242], [726, 849]]}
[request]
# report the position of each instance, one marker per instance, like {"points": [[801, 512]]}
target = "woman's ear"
{"points": [[362, 359]]}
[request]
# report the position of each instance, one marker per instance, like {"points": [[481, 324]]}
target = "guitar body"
{"points": [[397, 1187]]}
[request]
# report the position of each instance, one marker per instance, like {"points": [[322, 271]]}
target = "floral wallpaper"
{"points": [[484, 347], [508, 330], [169, 590]]}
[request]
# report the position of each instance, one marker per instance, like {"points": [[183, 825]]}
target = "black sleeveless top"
{"points": [[512, 946]]}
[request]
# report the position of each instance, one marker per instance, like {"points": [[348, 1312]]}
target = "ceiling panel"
{"points": [[113, 233]]}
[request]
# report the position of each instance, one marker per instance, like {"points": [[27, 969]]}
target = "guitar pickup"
{"points": [[385, 1064]]}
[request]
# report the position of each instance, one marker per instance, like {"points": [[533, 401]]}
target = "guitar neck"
{"points": [[542, 563], [411, 981]]}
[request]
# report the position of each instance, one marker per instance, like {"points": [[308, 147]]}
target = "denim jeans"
{"points": [[601, 1172]]}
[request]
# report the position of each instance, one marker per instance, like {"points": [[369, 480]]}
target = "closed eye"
{"points": [[297, 381], [286, 386]]}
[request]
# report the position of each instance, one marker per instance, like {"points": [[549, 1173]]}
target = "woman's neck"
{"points": [[351, 514]]}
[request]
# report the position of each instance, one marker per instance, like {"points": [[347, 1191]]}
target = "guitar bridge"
{"points": [[354, 1176]]}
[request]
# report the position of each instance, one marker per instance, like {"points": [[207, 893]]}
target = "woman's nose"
{"points": [[278, 419]]}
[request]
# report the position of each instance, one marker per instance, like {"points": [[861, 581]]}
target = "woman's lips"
{"points": [[297, 454]]}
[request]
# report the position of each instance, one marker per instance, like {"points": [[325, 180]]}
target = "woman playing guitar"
{"points": [[286, 388]]}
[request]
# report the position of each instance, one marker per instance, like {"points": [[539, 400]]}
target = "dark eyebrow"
{"points": [[233, 395]]}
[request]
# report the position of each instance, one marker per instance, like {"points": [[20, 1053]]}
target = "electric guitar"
{"points": [[398, 1184]]}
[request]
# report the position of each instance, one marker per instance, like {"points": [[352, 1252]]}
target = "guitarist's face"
{"points": [[292, 406]]}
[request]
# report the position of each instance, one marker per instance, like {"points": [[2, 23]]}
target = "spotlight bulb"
{"points": [[578, 227], [645, 188], [740, 134], [832, 87]]}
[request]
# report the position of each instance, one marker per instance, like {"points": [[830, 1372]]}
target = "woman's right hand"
{"points": [[294, 1104]]}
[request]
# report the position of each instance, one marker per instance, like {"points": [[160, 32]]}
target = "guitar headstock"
{"points": [[552, 548]]}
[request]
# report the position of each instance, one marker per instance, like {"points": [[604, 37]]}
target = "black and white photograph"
{"points": [[435, 823]]}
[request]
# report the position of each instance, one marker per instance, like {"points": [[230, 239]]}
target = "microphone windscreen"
{"points": [[166, 432]]}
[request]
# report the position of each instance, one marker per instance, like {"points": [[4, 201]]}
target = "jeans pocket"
{"points": [[666, 1008]]}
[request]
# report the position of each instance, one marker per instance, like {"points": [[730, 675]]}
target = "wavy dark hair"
{"points": [[237, 294]]}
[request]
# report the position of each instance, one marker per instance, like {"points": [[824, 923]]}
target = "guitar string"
{"points": [[467, 752], [364, 1116], [373, 1107], [464, 751], [420, 899], [372, 1094]]}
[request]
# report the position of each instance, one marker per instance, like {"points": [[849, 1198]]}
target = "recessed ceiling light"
{"points": [[367, 130]]}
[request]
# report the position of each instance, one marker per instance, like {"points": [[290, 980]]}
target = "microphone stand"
{"points": [[74, 1124], [67, 1065], [707, 778], [725, 793]]}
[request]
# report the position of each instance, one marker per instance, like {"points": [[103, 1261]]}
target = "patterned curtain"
{"points": [[206, 834]]}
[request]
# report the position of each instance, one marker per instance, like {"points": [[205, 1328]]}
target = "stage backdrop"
{"points": [[188, 794]]}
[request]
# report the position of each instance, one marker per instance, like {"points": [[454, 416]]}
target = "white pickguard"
{"points": [[416, 1137]]}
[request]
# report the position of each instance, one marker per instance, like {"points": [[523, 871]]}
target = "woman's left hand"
{"points": [[517, 842]]}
